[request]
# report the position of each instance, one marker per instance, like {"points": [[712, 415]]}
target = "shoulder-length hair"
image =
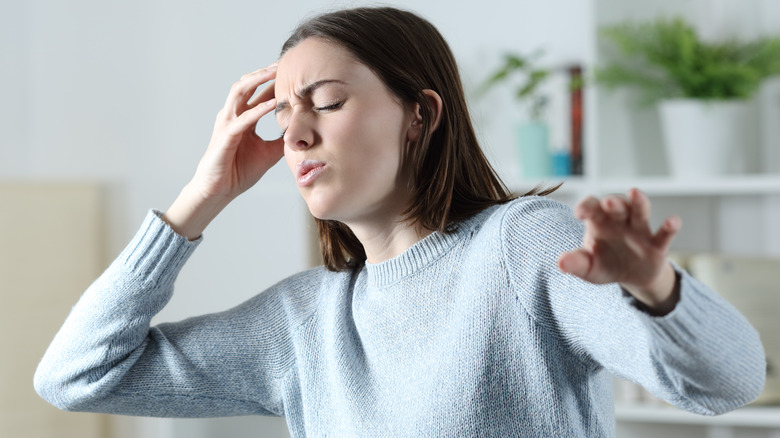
{"points": [[451, 177]]}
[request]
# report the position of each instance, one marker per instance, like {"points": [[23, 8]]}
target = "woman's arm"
{"points": [[702, 355], [106, 358]]}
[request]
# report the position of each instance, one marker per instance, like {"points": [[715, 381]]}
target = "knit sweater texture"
{"points": [[471, 333]]}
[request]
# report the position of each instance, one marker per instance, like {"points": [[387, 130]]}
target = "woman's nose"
{"points": [[299, 134]]}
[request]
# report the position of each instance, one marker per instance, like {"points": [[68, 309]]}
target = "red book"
{"points": [[575, 91]]}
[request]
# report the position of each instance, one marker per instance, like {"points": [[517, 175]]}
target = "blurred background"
{"points": [[106, 108]]}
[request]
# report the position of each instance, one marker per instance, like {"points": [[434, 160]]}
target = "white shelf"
{"points": [[754, 417], [736, 185], [720, 186]]}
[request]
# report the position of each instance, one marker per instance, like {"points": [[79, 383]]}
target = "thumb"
{"points": [[577, 263]]}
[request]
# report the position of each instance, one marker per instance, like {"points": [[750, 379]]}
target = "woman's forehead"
{"points": [[313, 57], [314, 61]]}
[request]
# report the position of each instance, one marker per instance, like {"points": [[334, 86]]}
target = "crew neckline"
{"points": [[422, 253]]}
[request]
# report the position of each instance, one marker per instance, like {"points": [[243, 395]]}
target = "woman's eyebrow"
{"points": [[307, 90]]}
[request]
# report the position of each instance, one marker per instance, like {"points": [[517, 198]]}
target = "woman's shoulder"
{"points": [[527, 207], [532, 222], [524, 211], [525, 222]]}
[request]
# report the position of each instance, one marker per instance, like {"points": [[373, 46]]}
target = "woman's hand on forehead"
{"points": [[236, 157]]}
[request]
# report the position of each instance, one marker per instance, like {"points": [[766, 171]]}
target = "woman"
{"points": [[446, 307]]}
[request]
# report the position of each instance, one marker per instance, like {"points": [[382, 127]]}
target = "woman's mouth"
{"points": [[307, 171]]}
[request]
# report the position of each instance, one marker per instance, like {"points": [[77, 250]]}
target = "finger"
{"points": [[667, 232], [640, 209], [578, 263], [615, 208], [251, 82], [249, 118], [266, 94], [589, 208], [243, 90]]}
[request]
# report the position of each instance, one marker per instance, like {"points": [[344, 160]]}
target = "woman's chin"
{"points": [[320, 212], [322, 207]]}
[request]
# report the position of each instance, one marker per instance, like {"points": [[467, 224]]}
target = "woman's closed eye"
{"points": [[329, 107], [325, 108]]}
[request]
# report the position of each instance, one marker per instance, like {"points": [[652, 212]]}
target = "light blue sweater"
{"points": [[474, 333]]}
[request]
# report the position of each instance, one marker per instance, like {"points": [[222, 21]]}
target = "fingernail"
{"points": [[272, 67], [271, 102]]}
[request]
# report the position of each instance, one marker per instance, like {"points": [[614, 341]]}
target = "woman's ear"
{"points": [[436, 104]]}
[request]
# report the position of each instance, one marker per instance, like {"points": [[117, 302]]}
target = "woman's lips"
{"points": [[307, 171]]}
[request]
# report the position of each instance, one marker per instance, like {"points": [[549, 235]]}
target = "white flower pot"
{"points": [[704, 138]]}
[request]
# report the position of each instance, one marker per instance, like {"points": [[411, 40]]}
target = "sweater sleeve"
{"points": [[106, 358], [703, 356]]}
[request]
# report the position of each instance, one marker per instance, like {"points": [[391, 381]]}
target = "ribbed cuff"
{"points": [[638, 305], [157, 253]]}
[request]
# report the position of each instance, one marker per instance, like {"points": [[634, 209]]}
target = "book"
{"points": [[576, 118]]}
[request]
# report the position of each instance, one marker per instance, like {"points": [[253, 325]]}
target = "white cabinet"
{"points": [[50, 251]]}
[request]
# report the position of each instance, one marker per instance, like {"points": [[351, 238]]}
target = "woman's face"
{"points": [[344, 134]]}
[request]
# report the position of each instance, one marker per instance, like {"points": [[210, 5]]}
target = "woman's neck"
{"points": [[385, 241]]}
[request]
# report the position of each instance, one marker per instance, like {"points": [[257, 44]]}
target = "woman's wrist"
{"points": [[662, 296], [192, 212]]}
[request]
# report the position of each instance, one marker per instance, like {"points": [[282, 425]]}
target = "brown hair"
{"points": [[452, 178]]}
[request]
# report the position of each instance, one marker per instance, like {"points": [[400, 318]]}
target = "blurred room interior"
{"points": [[107, 107]]}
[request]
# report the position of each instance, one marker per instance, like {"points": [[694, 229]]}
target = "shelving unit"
{"points": [[729, 214]]}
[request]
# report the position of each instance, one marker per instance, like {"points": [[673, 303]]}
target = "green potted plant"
{"points": [[702, 89], [521, 74]]}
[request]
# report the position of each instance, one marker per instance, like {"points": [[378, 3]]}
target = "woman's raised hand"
{"points": [[620, 247], [235, 159]]}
